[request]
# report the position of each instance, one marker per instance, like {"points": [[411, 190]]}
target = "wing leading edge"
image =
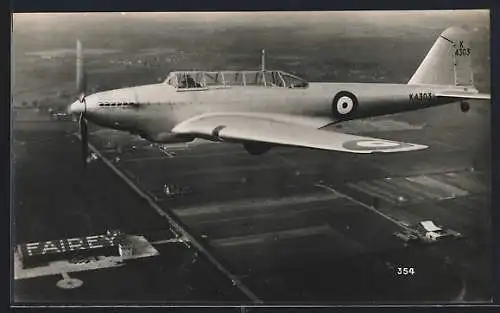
{"points": [[239, 127]]}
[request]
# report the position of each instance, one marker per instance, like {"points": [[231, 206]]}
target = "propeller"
{"points": [[84, 139], [81, 86]]}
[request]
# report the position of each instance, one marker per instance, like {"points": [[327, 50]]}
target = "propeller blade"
{"points": [[84, 139], [81, 86], [81, 75]]}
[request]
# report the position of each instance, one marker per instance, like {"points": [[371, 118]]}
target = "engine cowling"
{"points": [[256, 148]]}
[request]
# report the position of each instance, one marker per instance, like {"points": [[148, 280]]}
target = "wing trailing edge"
{"points": [[463, 95]]}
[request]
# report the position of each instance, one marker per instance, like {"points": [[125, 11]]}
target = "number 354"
{"points": [[406, 271]]}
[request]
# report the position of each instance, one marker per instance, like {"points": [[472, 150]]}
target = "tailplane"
{"points": [[448, 62]]}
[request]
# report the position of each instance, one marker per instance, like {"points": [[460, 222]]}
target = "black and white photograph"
{"points": [[251, 158]]}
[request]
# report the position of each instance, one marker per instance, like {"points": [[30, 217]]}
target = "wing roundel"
{"points": [[344, 105]]}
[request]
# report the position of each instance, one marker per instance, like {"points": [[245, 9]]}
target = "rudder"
{"points": [[448, 62]]}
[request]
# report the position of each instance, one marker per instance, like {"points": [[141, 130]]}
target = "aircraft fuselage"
{"points": [[153, 110]]}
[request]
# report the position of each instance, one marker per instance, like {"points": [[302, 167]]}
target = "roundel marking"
{"points": [[373, 144], [344, 104], [377, 144]]}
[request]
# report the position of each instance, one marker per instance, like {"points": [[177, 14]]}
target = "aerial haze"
{"points": [[302, 42]]}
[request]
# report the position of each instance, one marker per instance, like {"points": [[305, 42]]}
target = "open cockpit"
{"points": [[200, 80]]}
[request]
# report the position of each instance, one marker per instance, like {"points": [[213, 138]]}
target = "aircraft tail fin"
{"points": [[448, 62]]}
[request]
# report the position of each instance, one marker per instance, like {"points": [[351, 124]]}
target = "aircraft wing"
{"points": [[242, 127], [463, 95]]}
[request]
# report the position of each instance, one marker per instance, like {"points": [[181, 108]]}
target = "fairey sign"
{"points": [[71, 244]]}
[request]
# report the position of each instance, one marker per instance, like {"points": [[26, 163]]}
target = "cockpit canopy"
{"points": [[208, 79]]}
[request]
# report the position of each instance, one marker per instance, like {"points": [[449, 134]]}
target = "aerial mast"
{"points": [[263, 60]]}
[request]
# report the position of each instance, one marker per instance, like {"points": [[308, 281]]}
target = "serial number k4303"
{"points": [[420, 96]]}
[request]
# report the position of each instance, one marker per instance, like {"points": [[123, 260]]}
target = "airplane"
{"points": [[262, 109]]}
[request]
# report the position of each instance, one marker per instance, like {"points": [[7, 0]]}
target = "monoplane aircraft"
{"points": [[261, 109]]}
